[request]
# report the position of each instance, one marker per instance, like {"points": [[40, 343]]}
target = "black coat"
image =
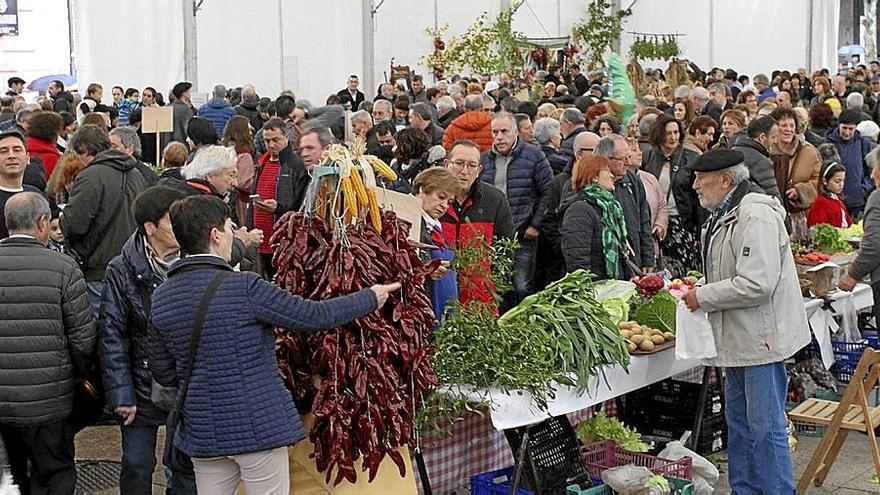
{"points": [[629, 191], [123, 341], [581, 235], [557, 160], [293, 181], [249, 110], [447, 119], [94, 203], [757, 159], [691, 214], [47, 329]]}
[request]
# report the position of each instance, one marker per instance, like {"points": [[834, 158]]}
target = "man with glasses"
{"points": [[479, 211], [549, 260], [520, 171], [629, 191]]}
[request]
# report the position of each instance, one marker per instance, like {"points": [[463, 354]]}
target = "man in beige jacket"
{"points": [[752, 296]]}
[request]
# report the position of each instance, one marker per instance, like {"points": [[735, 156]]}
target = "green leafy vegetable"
{"points": [[615, 296], [600, 427], [829, 240], [658, 481], [586, 337], [658, 312]]}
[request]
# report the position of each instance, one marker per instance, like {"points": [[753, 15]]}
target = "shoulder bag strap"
{"points": [[201, 313]]}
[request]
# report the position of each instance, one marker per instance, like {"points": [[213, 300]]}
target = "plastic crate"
{"points": [[673, 397], [554, 459], [686, 487], [846, 358], [803, 428], [713, 436], [495, 483], [604, 455], [809, 351]]}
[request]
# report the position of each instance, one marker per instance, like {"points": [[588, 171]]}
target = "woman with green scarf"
{"points": [[593, 229]]}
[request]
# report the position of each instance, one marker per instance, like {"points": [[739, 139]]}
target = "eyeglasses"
{"points": [[584, 150], [464, 163]]}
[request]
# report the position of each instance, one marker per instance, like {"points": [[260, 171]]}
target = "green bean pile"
{"points": [[585, 338]]}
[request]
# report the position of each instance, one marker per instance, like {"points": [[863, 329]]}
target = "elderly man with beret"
{"points": [[753, 299]]}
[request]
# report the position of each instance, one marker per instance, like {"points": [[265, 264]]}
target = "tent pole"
{"points": [[809, 63], [190, 45], [711, 33], [281, 45], [368, 37]]}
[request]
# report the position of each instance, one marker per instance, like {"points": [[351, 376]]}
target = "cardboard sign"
{"points": [[157, 119], [406, 206], [198, 99]]}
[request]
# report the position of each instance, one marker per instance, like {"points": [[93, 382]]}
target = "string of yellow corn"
{"points": [[349, 196], [358, 186], [383, 169], [375, 216]]}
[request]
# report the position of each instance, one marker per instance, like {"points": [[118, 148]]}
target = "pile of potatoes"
{"points": [[643, 337]]}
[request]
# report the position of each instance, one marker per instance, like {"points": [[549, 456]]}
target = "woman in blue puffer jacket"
{"points": [[237, 418]]}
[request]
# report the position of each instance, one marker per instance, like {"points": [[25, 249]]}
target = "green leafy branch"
{"points": [[598, 32]]}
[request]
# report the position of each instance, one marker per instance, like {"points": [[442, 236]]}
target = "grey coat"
{"points": [[47, 330], [752, 292], [868, 260]]}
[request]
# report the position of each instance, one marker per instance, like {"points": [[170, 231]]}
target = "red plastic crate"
{"points": [[605, 455]]}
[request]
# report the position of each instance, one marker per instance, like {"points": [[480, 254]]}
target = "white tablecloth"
{"points": [[516, 409], [844, 304]]}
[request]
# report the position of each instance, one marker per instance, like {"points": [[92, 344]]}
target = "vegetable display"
{"points": [[658, 312], [363, 381], [586, 337], [600, 427], [829, 240], [642, 337]]}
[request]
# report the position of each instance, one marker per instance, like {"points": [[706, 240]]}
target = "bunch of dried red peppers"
{"points": [[363, 381]]}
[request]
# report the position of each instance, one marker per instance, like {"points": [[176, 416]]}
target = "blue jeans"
{"points": [[95, 290], [139, 461], [524, 268], [758, 454]]}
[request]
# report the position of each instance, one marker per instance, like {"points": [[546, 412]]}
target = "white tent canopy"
{"points": [[311, 46]]}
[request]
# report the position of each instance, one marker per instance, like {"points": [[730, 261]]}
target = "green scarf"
{"points": [[613, 226]]}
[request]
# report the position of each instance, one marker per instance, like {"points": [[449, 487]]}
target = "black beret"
{"points": [[181, 88], [719, 159]]}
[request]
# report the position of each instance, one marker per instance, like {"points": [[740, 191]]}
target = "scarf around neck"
{"points": [[613, 226]]}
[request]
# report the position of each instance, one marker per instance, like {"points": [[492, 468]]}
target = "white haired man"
{"points": [[753, 299]]}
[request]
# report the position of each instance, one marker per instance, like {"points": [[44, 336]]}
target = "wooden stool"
{"points": [[850, 414]]}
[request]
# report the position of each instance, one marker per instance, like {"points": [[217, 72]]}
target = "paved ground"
{"points": [[849, 475]]}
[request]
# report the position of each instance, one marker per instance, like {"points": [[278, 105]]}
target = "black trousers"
{"points": [[49, 448]]}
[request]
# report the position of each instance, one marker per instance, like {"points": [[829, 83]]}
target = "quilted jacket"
{"points": [[237, 402], [528, 180], [47, 332]]}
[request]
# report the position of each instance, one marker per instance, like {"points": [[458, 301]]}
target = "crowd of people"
{"points": [[116, 258]]}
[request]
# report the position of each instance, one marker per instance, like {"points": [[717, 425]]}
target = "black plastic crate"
{"points": [[554, 460], [713, 436], [671, 403]]}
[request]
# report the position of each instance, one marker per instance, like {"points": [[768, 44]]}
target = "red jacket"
{"points": [[485, 213], [474, 125], [828, 210], [45, 151]]}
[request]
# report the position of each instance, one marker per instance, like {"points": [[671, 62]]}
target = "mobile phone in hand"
{"points": [[255, 197]]}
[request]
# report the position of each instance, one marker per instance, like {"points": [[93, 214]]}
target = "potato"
{"points": [[626, 334], [637, 339], [645, 329], [658, 339], [646, 345], [669, 336], [654, 331], [632, 346]]}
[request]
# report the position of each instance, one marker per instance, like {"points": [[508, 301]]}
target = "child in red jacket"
{"points": [[828, 207]]}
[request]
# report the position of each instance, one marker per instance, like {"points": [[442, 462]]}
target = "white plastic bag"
{"points": [[693, 334], [705, 473]]}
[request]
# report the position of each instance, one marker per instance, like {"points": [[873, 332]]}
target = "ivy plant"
{"points": [[598, 32]]}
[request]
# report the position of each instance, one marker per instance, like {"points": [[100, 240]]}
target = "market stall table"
{"points": [[477, 445], [821, 313]]}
